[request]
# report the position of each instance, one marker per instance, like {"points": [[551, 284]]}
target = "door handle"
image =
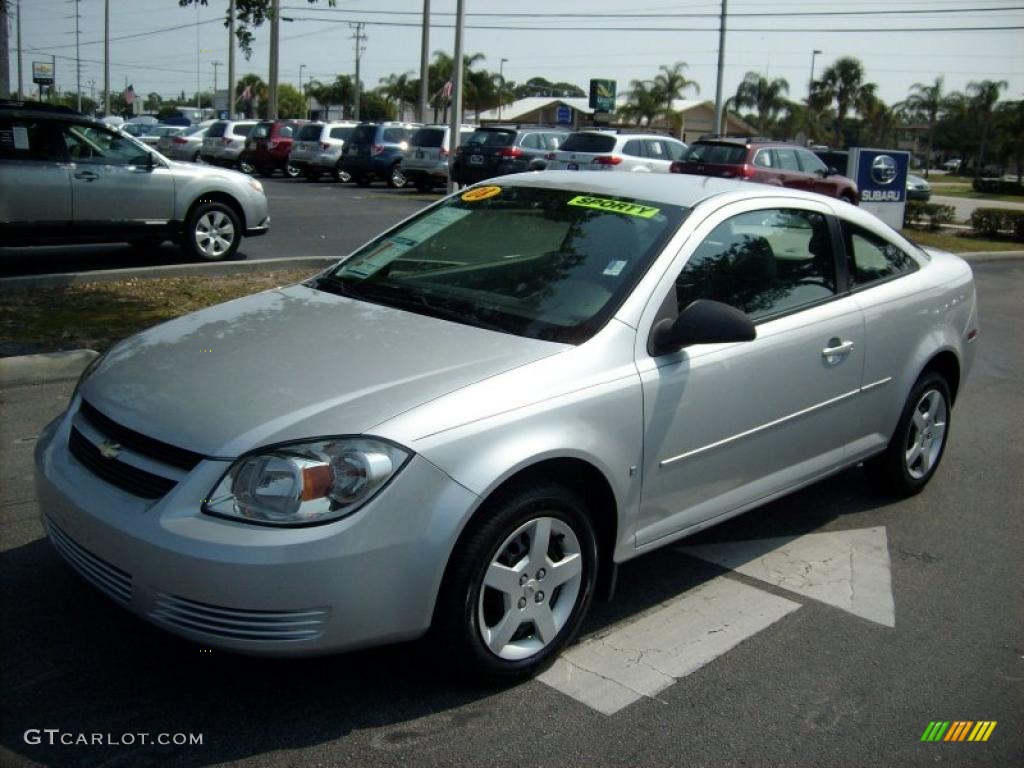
{"points": [[87, 175], [838, 349]]}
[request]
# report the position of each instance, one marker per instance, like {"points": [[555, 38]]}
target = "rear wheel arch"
{"points": [[947, 365]]}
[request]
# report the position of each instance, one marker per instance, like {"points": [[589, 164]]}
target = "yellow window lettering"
{"points": [[619, 206]]}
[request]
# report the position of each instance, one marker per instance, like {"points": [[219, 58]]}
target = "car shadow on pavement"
{"points": [[18, 262], [76, 662]]}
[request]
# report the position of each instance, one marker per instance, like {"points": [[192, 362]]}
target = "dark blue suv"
{"points": [[375, 150]]}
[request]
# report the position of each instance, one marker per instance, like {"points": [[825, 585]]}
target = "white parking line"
{"points": [[648, 655], [846, 569]]}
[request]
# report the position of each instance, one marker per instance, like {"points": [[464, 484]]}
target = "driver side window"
{"points": [[764, 263], [95, 146]]}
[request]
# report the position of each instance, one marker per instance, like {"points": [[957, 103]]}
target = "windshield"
{"points": [[492, 138], [589, 142], [542, 263], [715, 154]]}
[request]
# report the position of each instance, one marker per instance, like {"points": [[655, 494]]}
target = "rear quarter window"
{"points": [[591, 142]]}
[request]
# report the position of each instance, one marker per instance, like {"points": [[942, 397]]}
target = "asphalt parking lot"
{"points": [[307, 219], [826, 629]]}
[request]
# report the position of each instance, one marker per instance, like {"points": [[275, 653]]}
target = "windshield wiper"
{"points": [[433, 305], [332, 284]]}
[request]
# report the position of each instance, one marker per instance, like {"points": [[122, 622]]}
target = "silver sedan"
{"points": [[467, 424]]}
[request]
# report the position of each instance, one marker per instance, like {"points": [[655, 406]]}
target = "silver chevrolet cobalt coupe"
{"points": [[467, 424]]}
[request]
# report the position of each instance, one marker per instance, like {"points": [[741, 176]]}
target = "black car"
{"points": [[498, 150], [374, 151]]}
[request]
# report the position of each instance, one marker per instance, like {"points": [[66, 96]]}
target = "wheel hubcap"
{"points": [[214, 234], [926, 435], [530, 588]]}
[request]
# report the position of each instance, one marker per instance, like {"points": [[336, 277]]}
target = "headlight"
{"points": [[256, 185], [305, 483]]}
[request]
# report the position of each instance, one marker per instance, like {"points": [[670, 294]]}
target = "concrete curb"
{"points": [[51, 366], [215, 269]]}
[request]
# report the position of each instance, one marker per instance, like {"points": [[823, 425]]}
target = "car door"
{"points": [[113, 182], [818, 179], [788, 170], [729, 425], [32, 163]]}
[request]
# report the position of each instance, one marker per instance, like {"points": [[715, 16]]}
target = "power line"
{"points": [[142, 34]]}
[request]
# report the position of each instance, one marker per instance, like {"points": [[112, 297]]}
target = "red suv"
{"points": [[769, 162], [267, 148]]}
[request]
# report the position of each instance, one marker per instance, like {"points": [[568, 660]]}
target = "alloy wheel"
{"points": [[926, 434], [214, 234]]}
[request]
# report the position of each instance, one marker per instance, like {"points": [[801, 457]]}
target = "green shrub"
{"points": [[998, 186], [917, 213], [995, 221]]}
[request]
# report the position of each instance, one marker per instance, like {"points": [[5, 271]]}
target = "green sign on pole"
{"points": [[602, 95]]}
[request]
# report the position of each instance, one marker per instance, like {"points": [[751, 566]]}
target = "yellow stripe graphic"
{"points": [[978, 730], [988, 731]]}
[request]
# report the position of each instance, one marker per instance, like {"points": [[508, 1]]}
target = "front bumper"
{"points": [[368, 579]]}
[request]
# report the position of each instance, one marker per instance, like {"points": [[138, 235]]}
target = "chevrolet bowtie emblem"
{"points": [[109, 449]]}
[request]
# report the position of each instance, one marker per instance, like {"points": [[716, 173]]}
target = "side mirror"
{"points": [[702, 322], [831, 171]]}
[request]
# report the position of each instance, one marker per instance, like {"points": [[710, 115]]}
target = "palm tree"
{"points": [[480, 90], [441, 71], [670, 84], [763, 95], [983, 95], [643, 104], [843, 83], [926, 101], [341, 92], [880, 122], [396, 89]]}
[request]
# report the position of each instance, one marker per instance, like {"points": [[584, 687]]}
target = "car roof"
{"points": [[675, 189]]}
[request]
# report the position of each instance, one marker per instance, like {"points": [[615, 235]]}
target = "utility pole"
{"points": [[231, 59], [501, 85], [5, 44], [359, 37], [275, 41], [305, 104], [199, 98], [215, 65], [106, 57], [721, 68], [421, 104], [21, 86], [456, 115], [78, 62], [810, 86]]}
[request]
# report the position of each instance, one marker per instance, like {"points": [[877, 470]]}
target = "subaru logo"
{"points": [[109, 449], [883, 169]]}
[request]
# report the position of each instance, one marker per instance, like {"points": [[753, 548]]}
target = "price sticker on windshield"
{"points": [[616, 206], [480, 193]]}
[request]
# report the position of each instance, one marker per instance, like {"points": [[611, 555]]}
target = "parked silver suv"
{"points": [[80, 181], [317, 149], [425, 164], [224, 142], [610, 151]]}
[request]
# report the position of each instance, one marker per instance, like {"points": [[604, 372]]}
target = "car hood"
{"points": [[290, 364]]}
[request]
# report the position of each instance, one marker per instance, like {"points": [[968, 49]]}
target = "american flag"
{"points": [[129, 95], [246, 94], [446, 90]]}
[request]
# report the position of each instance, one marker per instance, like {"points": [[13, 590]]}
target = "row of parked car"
{"points": [[401, 154]]}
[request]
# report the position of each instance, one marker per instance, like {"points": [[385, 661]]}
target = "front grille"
{"points": [[117, 473], [236, 624], [145, 446], [109, 579]]}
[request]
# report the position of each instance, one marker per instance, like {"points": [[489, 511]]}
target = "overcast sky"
{"points": [[570, 41]]}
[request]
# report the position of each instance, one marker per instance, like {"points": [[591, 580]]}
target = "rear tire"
{"points": [[246, 165], [917, 445], [291, 171], [341, 175], [519, 583], [213, 231]]}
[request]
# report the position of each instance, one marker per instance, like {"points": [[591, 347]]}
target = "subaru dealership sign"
{"points": [[881, 176]]}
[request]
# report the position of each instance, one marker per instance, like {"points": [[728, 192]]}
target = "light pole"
{"points": [[305, 106], [810, 86], [215, 65], [721, 68], [501, 85]]}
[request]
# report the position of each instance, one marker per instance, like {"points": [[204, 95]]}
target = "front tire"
{"points": [[519, 583], [396, 177], [213, 231], [341, 175], [917, 445], [291, 171]]}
